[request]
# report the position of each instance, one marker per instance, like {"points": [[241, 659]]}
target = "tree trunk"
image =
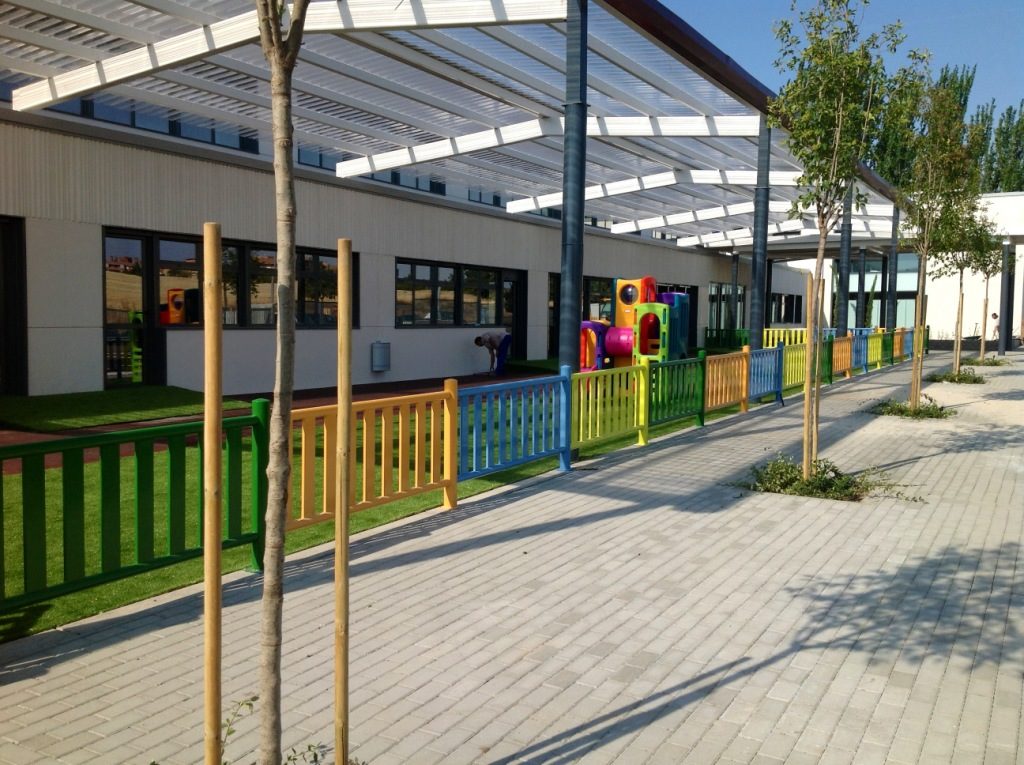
{"points": [[810, 362], [917, 366], [958, 340], [984, 320], [279, 468]]}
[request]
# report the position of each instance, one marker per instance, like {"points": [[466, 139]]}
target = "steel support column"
{"points": [[1006, 299], [894, 255], [734, 298], [573, 170], [759, 262], [843, 293], [861, 318]]}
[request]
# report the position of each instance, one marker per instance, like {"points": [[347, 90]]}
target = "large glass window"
{"points": [[122, 269], [597, 297], [479, 288], [262, 273], [318, 291], [444, 294]]}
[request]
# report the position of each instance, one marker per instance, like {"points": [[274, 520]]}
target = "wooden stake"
{"points": [[212, 318], [817, 370], [808, 372], [342, 500]]}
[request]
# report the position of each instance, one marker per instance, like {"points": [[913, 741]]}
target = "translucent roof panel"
{"points": [[371, 92]]}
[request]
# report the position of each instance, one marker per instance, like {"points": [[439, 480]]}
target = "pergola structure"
{"points": [[646, 127]]}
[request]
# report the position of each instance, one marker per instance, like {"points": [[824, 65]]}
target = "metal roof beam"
{"points": [[670, 178], [531, 129], [737, 233]]}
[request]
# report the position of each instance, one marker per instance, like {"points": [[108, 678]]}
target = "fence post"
{"points": [[449, 461], [830, 360], [745, 380], [260, 457], [565, 418], [780, 367], [643, 401], [702, 376]]}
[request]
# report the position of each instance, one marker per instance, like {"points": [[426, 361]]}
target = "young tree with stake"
{"points": [[832, 110]]}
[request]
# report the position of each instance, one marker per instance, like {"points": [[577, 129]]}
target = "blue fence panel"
{"points": [[509, 424], [860, 350], [764, 372]]}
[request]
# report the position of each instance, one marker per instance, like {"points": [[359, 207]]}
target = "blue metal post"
{"points": [[780, 365], [573, 164], [565, 418], [845, 237], [759, 262]]}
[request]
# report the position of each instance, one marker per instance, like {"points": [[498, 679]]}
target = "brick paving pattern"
{"points": [[641, 609]]}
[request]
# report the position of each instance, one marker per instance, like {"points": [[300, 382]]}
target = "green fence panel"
{"points": [[92, 533], [73, 490], [145, 500], [33, 523], [677, 390], [175, 494], [110, 507], [233, 487]]}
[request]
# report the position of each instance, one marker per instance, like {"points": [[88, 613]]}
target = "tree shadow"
{"points": [[953, 604]]}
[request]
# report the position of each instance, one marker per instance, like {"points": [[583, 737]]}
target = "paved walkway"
{"points": [[641, 609]]}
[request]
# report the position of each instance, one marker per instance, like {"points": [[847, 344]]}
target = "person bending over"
{"points": [[497, 344]]}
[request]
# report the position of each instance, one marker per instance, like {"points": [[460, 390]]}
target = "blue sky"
{"points": [[989, 33]]}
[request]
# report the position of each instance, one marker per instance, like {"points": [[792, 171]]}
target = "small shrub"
{"points": [[783, 476], [966, 375], [987, 361], [929, 409]]}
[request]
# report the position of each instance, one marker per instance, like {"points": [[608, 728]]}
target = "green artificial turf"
{"points": [[68, 411]]}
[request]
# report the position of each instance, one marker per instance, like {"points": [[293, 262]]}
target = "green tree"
{"points": [[281, 40], [978, 251], [941, 193], [832, 109]]}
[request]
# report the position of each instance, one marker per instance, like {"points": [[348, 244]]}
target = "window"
{"points": [[720, 306], [445, 295], [262, 274], [160, 276], [479, 288], [597, 298], [179, 286]]}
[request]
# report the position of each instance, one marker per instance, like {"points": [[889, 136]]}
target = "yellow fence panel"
{"points": [[842, 355], [609, 403], [399, 447], [726, 380], [791, 336], [793, 359], [875, 349], [899, 349]]}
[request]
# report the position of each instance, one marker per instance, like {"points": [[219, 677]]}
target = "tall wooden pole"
{"points": [[212, 317], [341, 502], [808, 372]]}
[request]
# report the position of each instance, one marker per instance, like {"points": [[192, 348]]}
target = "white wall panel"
{"points": [[64, 360]]}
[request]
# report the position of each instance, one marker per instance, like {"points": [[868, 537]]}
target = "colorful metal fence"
{"points": [[400, 446], [766, 367], [793, 360], [727, 380], [606, 404], [509, 424], [93, 509], [677, 390]]}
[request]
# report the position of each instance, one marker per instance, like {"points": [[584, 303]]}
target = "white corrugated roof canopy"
{"points": [[468, 91]]}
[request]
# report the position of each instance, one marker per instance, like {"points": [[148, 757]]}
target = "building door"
{"points": [[134, 345], [13, 308], [513, 310]]}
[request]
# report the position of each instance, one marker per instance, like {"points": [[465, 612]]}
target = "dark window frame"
{"points": [[458, 309]]}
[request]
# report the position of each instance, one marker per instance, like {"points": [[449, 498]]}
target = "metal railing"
{"points": [[111, 505]]}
